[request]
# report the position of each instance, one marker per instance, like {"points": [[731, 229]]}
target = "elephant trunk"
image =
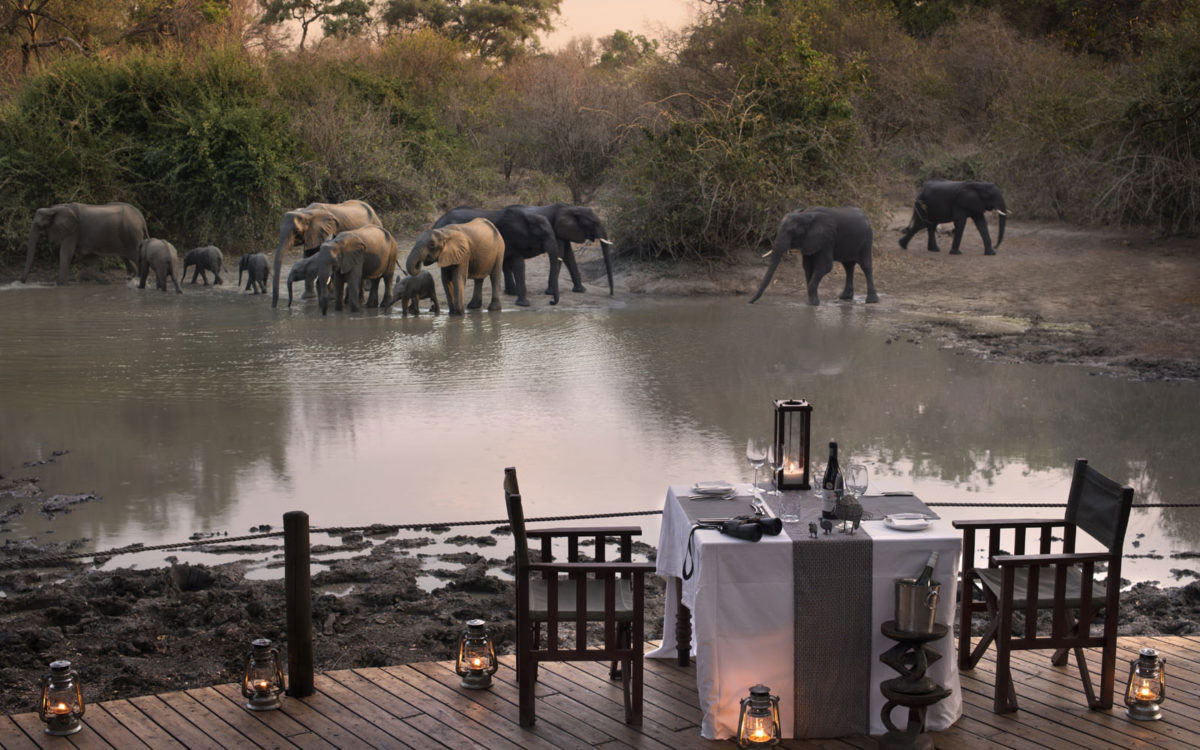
{"points": [[412, 264], [604, 250], [34, 236], [286, 239], [1003, 211], [776, 256]]}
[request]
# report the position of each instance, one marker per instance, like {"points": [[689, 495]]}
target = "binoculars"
{"points": [[750, 528]]}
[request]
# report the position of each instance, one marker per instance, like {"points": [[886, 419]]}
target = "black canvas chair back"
{"points": [[516, 519], [1018, 585]]}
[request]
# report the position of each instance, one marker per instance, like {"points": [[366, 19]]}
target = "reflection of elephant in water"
{"points": [[86, 229], [472, 250], [411, 290], [939, 201], [161, 256], [824, 235], [526, 235], [306, 270], [365, 254], [207, 258], [257, 268], [574, 224], [308, 227]]}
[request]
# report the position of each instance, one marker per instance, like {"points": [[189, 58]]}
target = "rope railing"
{"points": [[377, 528]]}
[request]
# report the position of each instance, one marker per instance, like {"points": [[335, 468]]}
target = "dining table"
{"points": [[800, 612]]}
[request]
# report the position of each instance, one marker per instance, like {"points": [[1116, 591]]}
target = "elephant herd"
{"points": [[346, 249]]}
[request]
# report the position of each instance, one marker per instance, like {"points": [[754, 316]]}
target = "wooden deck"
{"points": [[421, 706]]}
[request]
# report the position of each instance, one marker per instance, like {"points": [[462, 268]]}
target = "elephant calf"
{"points": [[161, 256], [411, 290], [257, 269], [307, 270], [205, 259]]}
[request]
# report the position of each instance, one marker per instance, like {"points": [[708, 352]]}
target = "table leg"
{"points": [[683, 627]]}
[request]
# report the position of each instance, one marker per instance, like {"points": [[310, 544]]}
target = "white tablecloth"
{"points": [[741, 597]]}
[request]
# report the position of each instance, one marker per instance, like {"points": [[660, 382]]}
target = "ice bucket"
{"points": [[916, 605]]}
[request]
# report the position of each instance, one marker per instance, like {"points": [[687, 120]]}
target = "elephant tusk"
{"points": [[1003, 213], [767, 253]]}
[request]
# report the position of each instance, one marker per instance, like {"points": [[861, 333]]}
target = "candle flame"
{"points": [[61, 708], [477, 663], [261, 685]]}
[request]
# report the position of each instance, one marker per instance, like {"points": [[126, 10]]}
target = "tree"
{"points": [[40, 24], [337, 17], [624, 49], [501, 29]]}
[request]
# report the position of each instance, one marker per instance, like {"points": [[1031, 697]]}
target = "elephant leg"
{"points": [[452, 285], [373, 296], [143, 273], [572, 268], [932, 229], [518, 272], [494, 305], [476, 296], [807, 262], [216, 277], [818, 272], [555, 268], [433, 307], [914, 226], [960, 223], [510, 274], [130, 268], [175, 281], [981, 225], [848, 291], [66, 251], [871, 295], [355, 285], [339, 291], [387, 286]]}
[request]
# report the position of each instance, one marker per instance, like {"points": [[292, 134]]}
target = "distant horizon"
{"points": [[600, 18]]}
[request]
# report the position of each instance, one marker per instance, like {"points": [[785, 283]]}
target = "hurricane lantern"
{"points": [[476, 657], [62, 700], [758, 723], [262, 684], [1146, 688], [793, 418]]}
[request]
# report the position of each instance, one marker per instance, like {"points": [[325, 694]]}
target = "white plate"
{"points": [[906, 521], [712, 488]]}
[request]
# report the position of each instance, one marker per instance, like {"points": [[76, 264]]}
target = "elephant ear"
{"points": [[820, 236], [456, 249], [65, 221], [567, 226]]}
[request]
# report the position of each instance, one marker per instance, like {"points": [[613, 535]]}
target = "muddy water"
{"points": [[211, 412]]}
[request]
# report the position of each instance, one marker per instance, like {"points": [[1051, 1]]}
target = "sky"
{"points": [[598, 18]]}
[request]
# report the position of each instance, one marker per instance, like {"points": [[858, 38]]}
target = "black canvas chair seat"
{"points": [[1063, 582], [623, 601]]}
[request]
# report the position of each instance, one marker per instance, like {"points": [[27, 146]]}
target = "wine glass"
{"points": [[756, 454], [856, 479], [773, 465]]}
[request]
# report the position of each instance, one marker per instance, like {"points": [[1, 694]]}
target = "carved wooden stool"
{"points": [[911, 656]]}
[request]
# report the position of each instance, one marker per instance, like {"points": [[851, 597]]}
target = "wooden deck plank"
{"points": [[12, 737], [505, 683], [35, 731], [686, 710], [184, 732], [450, 738], [323, 710], [278, 721], [610, 693], [240, 719], [128, 716], [302, 712], [370, 712], [210, 723]]}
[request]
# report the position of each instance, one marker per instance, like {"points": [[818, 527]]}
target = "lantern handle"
{"points": [[1162, 678]]}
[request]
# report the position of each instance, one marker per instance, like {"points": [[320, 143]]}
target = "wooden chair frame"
{"points": [[623, 641], [1069, 631]]}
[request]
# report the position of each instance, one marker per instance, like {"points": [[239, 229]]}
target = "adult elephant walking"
{"points": [[365, 254], [86, 229], [574, 224], [308, 227], [472, 250], [939, 201], [526, 234], [824, 235]]}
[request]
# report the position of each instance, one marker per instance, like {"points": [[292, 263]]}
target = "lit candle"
{"points": [[477, 663], [62, 709], [261, 685]]}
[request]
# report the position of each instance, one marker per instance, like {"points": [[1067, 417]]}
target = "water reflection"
{"points": [[209, 411]]}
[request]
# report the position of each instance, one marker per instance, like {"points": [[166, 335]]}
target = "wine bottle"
{"points": [[927, 572], [829, 483]]}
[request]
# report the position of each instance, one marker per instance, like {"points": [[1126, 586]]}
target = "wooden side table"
{"points": [[911, 656]]}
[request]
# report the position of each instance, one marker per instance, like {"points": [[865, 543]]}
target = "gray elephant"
{"points": [[205, 259], [308, 227], [526, 235], [160, 256], [352, 258], [257, 269], [86, 229], [472, 250], [939, 201], [308, 271], [575, 224], [824, 235], [411, 290]]}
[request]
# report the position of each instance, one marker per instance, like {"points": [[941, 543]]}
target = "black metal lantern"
{"points": [[476, 661], [262, 682], [793, 419], [758, 723], [1146, 688], [62, 700]]}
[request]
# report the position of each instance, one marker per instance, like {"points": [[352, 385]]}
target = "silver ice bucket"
{"points": [[916, 605]]}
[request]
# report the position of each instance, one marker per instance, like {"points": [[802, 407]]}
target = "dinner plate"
{"points": [[907, 521], [712, 488]]}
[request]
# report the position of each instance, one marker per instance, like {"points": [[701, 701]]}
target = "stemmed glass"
{"points": [[773, 465], [856, 480], [756, 454]]}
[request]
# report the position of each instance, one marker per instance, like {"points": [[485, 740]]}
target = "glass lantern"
{"points": [[793, 418], [262, 683], [62, 700], [758, 724], [1146, 688], [476, 661]]}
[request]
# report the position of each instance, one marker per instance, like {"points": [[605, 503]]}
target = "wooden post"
{"points": [[298, 593]]}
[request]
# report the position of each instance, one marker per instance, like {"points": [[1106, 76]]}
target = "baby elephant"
{"points": [[411, 290], [306, 270], [257, 269], [162, 257], [207, 258]]}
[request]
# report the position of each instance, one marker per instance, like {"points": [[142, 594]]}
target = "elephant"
{"points": [[526, 234], [939, 201], [88, 229], [352, 257], [306, 270], [207, 258], [575, 224], [161, 256], [824, 235], [473, 250], [411, 290], [257, 268], [308, 227]]}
